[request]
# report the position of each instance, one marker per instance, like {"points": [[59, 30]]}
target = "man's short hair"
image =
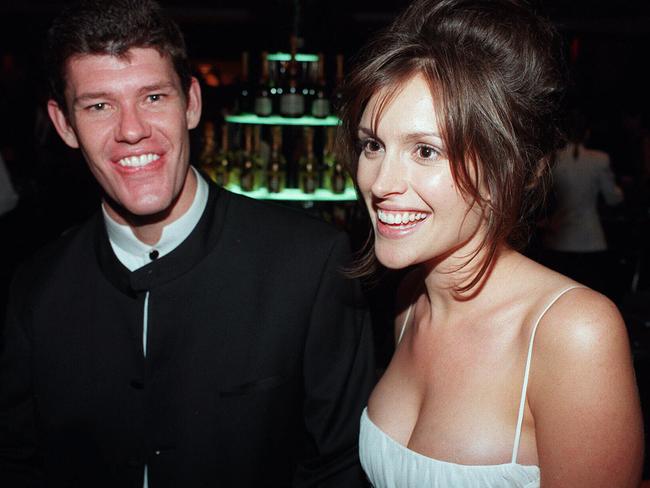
{"points": [[111, 27]]}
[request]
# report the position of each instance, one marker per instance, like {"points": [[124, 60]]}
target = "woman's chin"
{"points": [[393, 260]]}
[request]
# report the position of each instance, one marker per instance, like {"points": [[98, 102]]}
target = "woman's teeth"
{"points": [[138, 161], [393, 218]]}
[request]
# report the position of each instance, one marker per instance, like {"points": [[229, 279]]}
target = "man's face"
{"points": [[131, 120]]}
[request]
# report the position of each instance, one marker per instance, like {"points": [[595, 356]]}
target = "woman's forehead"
{"points": [[406, 106]]}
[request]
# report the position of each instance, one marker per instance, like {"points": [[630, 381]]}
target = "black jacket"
{"points": [[259, 359]]}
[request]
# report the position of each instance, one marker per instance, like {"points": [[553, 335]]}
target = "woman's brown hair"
{"points": [[492, 67]]}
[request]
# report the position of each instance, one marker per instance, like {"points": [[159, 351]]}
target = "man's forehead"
{"points": [[135, 67], [117, 60]]}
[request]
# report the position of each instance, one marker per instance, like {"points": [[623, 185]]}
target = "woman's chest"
{"points": [[451, 400]]}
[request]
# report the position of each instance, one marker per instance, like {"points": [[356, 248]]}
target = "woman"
{"points": [[505, 373]]}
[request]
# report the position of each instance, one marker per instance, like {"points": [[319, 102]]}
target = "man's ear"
{"points": [[193, 111], [61, 124]]}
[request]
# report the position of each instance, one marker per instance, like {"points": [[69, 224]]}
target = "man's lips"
{"points": [[138, 161]]}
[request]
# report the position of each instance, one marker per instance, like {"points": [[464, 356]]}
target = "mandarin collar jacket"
{"points": [[259, 358]]}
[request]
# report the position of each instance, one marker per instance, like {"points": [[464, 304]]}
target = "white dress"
{"points": [[388, 464]]}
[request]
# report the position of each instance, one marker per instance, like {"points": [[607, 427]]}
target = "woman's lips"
{"points": [[392, 217], [397, 223]]}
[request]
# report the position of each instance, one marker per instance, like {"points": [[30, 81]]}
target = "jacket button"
{"points": [[134, 461]]}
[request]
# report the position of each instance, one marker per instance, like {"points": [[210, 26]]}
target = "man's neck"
{"points": [[148, 228]]}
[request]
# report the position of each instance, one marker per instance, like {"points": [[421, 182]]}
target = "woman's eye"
{"points": [[371, 146], [427, 152]]}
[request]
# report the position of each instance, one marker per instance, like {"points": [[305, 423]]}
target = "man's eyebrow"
{"points": [[87, 97], [163, 85], [90, 96]]}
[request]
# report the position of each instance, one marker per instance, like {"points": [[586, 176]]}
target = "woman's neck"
{"points": [[444, 279]]}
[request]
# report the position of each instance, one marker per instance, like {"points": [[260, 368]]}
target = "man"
{"points": [[184, 336]]}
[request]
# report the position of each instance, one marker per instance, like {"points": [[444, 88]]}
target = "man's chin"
{"points": [[146, 209]]}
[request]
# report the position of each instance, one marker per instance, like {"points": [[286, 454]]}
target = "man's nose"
{"points": [[391, 178], [132, 126]]}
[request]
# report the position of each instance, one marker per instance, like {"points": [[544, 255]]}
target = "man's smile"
{"points": [[138, 161]]}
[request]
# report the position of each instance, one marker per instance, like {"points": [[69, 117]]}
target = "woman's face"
{"points": [[417, 211]]}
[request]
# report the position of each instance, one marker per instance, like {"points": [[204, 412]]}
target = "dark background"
{"points": [[606, 51], [606, 46]]}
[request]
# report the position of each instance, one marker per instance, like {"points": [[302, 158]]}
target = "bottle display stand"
{"points": [[329, 121], [297, 195], [291, 194], [278, 142]]}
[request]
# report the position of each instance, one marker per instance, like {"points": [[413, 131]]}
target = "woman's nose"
{"points": [[391, 178]]}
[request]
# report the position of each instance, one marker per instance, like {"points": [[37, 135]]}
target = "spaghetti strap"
{"points": [[408, 313], [406, 320], [522, 401]]}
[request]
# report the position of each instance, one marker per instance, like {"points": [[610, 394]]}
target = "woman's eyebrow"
{"points": [[407, 137], [367, 131], [413, 136]]}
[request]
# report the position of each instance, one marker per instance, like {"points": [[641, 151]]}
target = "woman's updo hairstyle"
{"points": [[492, 67]]}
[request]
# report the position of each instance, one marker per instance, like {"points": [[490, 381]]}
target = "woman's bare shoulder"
{"points": [[583, 394], [571, 318], [581, 321]]}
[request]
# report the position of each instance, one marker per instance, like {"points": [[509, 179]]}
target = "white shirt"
{"points": [[134, 254]]}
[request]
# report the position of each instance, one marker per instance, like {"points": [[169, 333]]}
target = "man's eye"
{"points": [[156, 97], [97, 107]]}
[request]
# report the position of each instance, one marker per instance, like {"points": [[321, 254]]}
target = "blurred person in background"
{"points": [[8, 195], [8, 201], [573, 236]]}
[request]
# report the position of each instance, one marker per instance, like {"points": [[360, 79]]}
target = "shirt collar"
{"points": [[134, 253]]}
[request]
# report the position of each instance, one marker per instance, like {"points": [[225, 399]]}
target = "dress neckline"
{"points": [[411, 452], [524, 387]]}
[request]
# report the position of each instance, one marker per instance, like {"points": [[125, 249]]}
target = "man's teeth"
{"points": [[137, 161], [399, 217]]}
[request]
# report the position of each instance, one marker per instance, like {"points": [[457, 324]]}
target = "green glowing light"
{"points": [[330, 121], [300, 57], [297, 195]]}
